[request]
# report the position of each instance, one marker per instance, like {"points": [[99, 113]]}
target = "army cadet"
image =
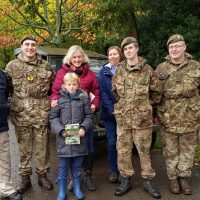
{"points": [[135, 87], [31, 77], [179, 112]]}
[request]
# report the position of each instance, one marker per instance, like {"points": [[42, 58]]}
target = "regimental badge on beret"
{"points": [[28, 37], [128, 40], [175, 38]]}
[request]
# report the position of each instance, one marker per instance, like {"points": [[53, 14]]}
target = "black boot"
{"points": [[124, 186], [89, 182], [185, 186], [150, 188], [44, 182], [25, 184], [88, 165]]}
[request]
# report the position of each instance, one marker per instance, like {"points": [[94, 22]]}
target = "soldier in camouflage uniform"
{"points": [[179, 112], [30, 78], [135, 88]]}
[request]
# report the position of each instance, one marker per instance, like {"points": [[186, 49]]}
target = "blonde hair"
{"points": [[72, 77], [71, 51]]}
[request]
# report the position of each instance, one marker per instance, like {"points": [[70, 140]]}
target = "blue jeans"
{"points": [[111, 134], [90, 143], [75, 165]]}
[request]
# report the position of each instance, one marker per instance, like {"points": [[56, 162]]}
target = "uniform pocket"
{"points": [[144, 116], [142, 87], [44, 80]]}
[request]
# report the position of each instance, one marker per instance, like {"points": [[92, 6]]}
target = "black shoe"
{"points": [[114, 177], [13, 196], [150, 188], [89, 182], [124, 186]]}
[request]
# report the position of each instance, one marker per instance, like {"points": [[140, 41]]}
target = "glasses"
{"points": [[175, 47]]}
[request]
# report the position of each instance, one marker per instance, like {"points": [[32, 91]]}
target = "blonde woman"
{"points": [[77, 61]]}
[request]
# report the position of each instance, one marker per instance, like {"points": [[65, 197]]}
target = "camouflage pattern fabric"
{"points": [[142, 140], [27, 137], [135, 89], [30, 102], [29, 110], [179, 153], [179, 110]]}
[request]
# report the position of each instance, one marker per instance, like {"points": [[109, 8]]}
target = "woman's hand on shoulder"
{"points": [[54, 103]]}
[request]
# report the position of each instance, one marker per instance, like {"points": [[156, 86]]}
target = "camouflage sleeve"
{"points": [[9, 69], [48, 66], [114, 86], [155, 88]]}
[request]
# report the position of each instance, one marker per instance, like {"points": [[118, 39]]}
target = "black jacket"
{"points": [[4, 92]]}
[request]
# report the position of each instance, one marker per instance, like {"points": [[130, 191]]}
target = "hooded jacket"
{"points": [[71, 111]]}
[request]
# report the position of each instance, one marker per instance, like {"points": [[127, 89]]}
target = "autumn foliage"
{"points": [[7, 40]]}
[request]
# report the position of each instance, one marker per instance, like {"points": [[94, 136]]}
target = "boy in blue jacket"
{"points": [[73, 108]]}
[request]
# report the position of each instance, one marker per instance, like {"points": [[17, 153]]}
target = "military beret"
{"points": [[28, 37], [128, 40], [175, 38]]}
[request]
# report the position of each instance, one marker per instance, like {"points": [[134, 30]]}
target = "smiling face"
{"points": [[177, 51], [29, 49], [130, 51], [77, 59], [114, 57]]}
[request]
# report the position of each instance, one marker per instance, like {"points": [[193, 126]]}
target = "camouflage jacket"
{"points": [[179, 110], [135, 90], [30, 102]]}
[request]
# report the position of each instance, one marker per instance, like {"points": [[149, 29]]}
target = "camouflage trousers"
{"points": [[142, 140], [31, 139], [178, 152]]}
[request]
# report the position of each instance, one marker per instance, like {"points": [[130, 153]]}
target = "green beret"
{"points": [[128, 40], [175, 38], [28, 37]]}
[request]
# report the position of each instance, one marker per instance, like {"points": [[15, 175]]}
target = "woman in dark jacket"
{"points": [[107, 107], [73, 110]]}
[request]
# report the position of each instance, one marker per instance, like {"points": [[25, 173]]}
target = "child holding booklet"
{"points": [[73, 108]]}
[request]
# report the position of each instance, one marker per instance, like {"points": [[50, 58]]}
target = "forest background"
{"points": [[99, 24]]}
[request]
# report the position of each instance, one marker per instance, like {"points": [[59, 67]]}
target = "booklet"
{"points": [[72, 131]]}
